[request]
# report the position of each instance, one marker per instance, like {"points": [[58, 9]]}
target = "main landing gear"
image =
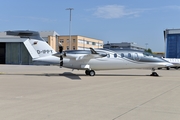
{"points": [[90, 72], [154, 73]]}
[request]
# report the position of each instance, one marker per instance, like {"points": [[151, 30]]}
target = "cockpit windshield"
{"points": [[148, 54]]}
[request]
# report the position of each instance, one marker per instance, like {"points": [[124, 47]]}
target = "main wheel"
{"points": [[92, 73], [177, 68], [87, 72]]}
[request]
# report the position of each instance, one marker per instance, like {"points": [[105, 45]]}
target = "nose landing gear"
{"points": [[154, 73]]}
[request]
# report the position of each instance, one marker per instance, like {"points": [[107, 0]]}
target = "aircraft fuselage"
{"points": [[112, 61]]}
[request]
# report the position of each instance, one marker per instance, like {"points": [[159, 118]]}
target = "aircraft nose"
{"points": [[169, 64]]}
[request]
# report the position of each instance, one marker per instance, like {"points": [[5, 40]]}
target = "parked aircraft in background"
{"points": [[174, 61]]}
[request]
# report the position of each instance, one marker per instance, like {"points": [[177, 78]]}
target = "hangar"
{"points": [[14, 46], [172, 43], [13, 49]]}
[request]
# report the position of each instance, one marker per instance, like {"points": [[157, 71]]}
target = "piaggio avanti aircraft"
{"points": [[90, 60]]}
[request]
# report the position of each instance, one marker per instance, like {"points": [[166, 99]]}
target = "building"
{"points": [[123, 45], [159, 54], [14, 51], [47, 34], [51, 37], [77, 42], [172, 43]]}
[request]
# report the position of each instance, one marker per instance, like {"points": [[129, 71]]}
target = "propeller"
{"points": [[61, 56]]}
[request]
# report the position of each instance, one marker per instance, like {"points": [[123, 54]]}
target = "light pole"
{"points": [[146, 45], [70, 27]]}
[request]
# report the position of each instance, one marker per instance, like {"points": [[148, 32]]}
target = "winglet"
{"points": [[93, 51]]}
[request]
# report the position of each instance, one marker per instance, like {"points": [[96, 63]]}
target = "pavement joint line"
{"points": [[146, 102]]}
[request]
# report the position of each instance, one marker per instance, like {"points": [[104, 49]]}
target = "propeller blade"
{"points": [[61, 56], [61, 63], [60, 48]]}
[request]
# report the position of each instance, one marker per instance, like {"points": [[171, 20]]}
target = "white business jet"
{"points": [[174, 61], [92, 59]]}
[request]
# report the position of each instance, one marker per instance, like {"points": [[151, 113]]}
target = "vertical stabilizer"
{"points": [[41, 48], [31, 50]]}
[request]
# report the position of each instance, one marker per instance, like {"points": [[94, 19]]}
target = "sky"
{"points": [[139, 21]]}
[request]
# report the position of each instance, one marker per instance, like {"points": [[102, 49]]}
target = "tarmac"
{"points": [[53, 93]]}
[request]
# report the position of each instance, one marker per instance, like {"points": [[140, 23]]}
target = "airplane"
{"points": [[90, 60], [174, 61]]}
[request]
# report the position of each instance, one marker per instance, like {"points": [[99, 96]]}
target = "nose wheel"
{"points": [[154, 73], [90, 72]]}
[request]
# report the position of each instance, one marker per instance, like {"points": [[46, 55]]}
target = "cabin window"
{"points": [[129, 55], [115, 55], [122, 54]]}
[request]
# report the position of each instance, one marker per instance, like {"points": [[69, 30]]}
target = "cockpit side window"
{"points": [[147, 54]]}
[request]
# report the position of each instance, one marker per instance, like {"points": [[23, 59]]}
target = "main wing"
{"points": [[93, 55]]}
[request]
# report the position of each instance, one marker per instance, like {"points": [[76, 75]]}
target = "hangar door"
{"points": [[16, 53], [2, 53]]}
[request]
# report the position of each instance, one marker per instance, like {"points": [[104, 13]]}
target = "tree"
{"points": [[148, 50]]}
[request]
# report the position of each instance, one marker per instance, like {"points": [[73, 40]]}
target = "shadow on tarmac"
{"points": [[73, 76]]}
